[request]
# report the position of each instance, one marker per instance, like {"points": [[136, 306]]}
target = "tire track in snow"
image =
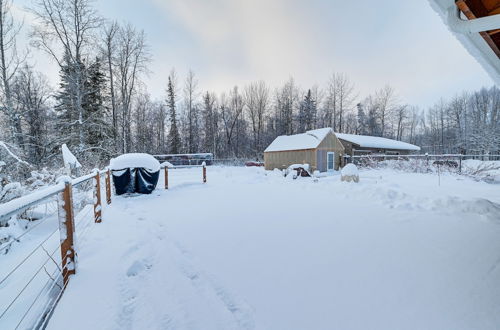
{"points": [[241, 311], [162, 287]]}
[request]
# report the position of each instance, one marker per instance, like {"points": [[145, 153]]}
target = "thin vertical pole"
{"points": [[66, 231], [108, 187], [97, 198], [204, 173], [166, 177]]}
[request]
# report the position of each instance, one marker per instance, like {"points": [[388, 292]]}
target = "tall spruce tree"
{"points": [[362, 121], [97, 118], [67, 107], [209, 123], [307, 113], [174, 139]]}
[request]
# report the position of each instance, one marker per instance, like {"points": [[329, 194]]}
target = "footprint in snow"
{"points": [[138, 267]]}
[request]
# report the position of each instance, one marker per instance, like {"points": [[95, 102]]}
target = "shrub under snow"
{"points": [[349, 173]]}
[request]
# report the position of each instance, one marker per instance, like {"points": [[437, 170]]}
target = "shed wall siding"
{"points": [[330, 143], [283, 159]]}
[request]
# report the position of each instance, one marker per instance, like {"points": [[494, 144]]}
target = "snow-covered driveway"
{"points": [[254, 251]]}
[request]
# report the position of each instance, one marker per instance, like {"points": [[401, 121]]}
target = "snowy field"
{"points": [[254, 250]]}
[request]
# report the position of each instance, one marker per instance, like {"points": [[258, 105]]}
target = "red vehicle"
{"points": [[257, 164]]}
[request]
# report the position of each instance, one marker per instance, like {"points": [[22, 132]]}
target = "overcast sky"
{"points": [[226, 42]]}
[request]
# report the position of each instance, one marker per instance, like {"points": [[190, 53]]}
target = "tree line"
{"points": [[102, 108]]}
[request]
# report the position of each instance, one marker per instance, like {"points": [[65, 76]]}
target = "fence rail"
{"points": [[483, 156], [448, 160], [60, 269]]}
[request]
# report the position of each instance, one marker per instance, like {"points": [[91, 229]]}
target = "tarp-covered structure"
{"points": [[135, 173]]}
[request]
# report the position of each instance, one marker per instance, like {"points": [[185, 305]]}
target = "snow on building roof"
{"points": [[473, 42], [135, 160], [376, 142], [308, 140]]}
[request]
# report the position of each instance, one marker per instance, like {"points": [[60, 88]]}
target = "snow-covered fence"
{"points": [[34, 278], [166, 165], [483, 167], [186, 159]]}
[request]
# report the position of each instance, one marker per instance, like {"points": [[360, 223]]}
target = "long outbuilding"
{"points": [[324, 150], [365, 144]]}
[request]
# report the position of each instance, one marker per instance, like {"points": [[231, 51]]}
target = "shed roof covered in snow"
{"points": [[376, 142], [478, 33], [135, 160], [308, 140]]}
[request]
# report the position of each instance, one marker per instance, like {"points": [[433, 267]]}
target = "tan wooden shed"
{"points": [[319, 148]]}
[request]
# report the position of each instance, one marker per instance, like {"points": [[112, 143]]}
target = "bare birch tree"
{"points": [[256, 97], [109, 49], [10, 61], [191, 112], [67, 25], [132, 58]]}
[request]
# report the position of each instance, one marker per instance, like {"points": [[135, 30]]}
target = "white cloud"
{"points": [[228, 42], [403, 44]]}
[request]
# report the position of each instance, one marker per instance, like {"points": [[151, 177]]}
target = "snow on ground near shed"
{"points": [[135, 160], [395, 251]]}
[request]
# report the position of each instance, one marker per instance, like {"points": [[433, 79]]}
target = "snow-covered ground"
{"points": [[253, 250]]}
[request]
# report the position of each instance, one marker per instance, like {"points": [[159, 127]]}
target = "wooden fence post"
{"points": [[166, 177], [108, 187], [204, 173], [97, 198], [66, 231]]}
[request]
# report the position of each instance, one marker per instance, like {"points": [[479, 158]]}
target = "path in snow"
{"points": [[253, 251]]}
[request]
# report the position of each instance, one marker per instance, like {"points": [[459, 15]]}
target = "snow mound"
{"points": [[349, 173], [68, 158], [135, 160], [349, 169]]}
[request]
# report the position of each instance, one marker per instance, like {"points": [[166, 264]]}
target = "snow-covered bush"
{"points": [[349, 173], [41, 178], [488, 171]]}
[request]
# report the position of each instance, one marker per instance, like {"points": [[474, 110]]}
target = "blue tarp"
{"points": [[135, 180]]}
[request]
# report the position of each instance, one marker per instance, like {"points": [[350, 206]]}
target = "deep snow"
{"points": [[251, 249]]}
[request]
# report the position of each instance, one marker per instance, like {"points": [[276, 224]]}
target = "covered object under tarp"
{"points": [[135, 173]]}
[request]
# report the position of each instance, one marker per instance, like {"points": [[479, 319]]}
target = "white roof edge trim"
{"points": [[472, 42]]}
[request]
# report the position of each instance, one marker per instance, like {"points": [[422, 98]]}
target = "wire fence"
{"points": [[34, 274], [456, 163]]}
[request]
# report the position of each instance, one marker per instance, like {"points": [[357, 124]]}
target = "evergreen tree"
{"points": [[361, 127], [210, 123], [67, 107], [97, 119], [307, 113], [174, 139]]}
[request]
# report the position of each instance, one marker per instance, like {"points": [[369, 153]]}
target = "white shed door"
{"points": [[330, 161]]}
